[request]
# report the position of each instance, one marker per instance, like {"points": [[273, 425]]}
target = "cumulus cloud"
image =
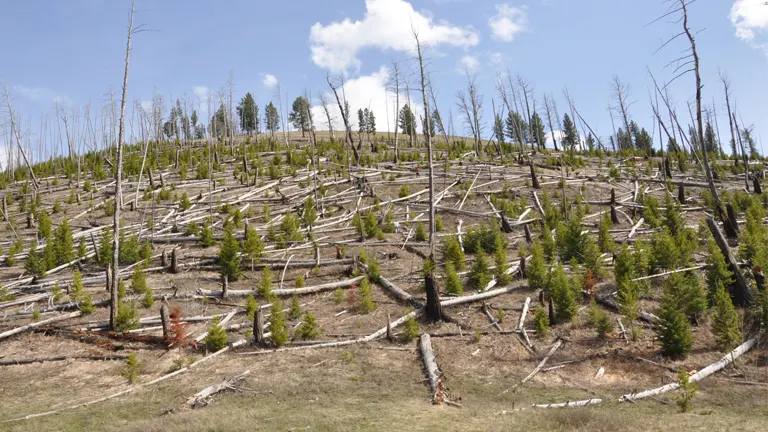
{"points": [[750, 17], [386, 25], [40, 94], [201, 92], [508, 22], [368, 91], [269, 80], [468, 63]]}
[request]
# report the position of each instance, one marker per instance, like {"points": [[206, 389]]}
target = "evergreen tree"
{"points": [[216, 338], [308, 329], [604, 240], [718, 274], [710, 140], [538, 133], [541, 322], [407, 121], [570, 133], [229, 255], [453, 284], [252, 246], [498, 129], [516, 128], [295, 311], [453, 252], [673, 330], [299, 115], [562, 294], [248, 112], [749, 142], [437, 121], [725, 321], [139, 281], [362, 122], [536, 270], [265, 284], [365, 304], [277, 325], [64, 243], [219, 123], [271, 119], [44, 225], [500, 261], [35, 263], [688, 293], [479, 276]]}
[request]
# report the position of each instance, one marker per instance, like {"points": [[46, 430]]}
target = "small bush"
{"points": [[421, 234], [86, 304], [277, 324], [127, 317], [365, 302], [338, 296], [541, 322], [308, 329], [410, 329], [688, 390], [149, 300], [479, 275], [265, 284], [453, 284], [139, 281], [295, 311]]}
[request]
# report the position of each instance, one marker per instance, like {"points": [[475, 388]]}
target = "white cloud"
{"points": [[368, 91], [269, 80], [386, 25], [496, 59], [750, 17], [468, 63], [508, 22], [40, 94], [146, 105], [201, 92]]}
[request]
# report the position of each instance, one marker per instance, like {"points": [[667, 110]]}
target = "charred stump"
{"points": [[166, 321], [433, 309], [258, 327], [534, 180], [681, 194], [614, 214], [756, 185], [175, 260], [732, 216]]}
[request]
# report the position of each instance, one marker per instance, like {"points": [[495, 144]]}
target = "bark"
{"points": [[258, 327], [541, 364], [570, 404], [434, 310], [286, 292], [740, 288], [8, 333], [200, 399], [165, 319], [434, 375]]}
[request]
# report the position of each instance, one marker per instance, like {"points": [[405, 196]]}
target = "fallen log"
{"points": [[201, 398], [541, 364], [698, 376], [434, 375], [570, 404], [61, 358], [17, 330], [286, 292]]}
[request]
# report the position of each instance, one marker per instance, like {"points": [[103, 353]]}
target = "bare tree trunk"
{"points": [[428, 143], [549, 118], [15, 131], [324, 103], [349, 138], [396, 86], [118, 184]]}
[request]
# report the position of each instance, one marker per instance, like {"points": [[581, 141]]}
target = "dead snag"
{"points": [[756, 185], [434, 310], [434, 375], [164, 259], [175, 260], [613, 197], [165, 319], [534, 180], [681, 194], [732, 215], [109, 276], [258, 327], [739, 289], [528, 238], [151, 179], [224, 286], [614, 214], [667, 168]]}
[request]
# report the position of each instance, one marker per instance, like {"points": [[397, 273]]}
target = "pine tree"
{"points": [[407, 121], [725, 321], [250, 307], [479, 275], [541, 322], [688, 293], [718, 274], [562, 294], [265, 284], [253, 246], [308, 329], [271, 119], [216, 338], [421, 234], [229, 255], [295, 311], [500, 261], [206, 235], [277, 327], [674, 329], [86, 304], [82, 249], [248, 112], [410, 329], [570, 133], [538, 133], [44, 225], [35, 263], [299, 115], [127, 317], [453, 252], [453, 284], [76, 292], [536, 270], [149, 299], [139, 281], [604, 240], [365, 303], [131, 369]]}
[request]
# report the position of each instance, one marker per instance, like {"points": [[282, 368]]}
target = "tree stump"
{"points": [[245, 229], [109, 276], [30, 221], [614, 214], [732, 216], [522, 266], [667, 168], [95, 249], [433, 309], [151, 179], [164, 259], [132, 206], [258, 327], [613, 197], [534, 180], [224, 286], [77, 197], [528, 237], [681, 193], [165, 319], [390, 336], [162, 181], [551, 312], [175, 260], [756, 185]]}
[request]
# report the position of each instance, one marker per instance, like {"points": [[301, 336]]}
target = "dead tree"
{"points": [[434, 310], [344, 116], [428, 143], [394, 85], [621, 93], [548, 106], [471, 106], [119, 184], [17, 134], [739, 289], [329, 119]]}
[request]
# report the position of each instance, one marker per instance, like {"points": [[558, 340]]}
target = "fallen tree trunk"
{"points": [[286, 292], [17, 330], [570, 404], [698, 376], [61, 358], [541, 364], [434, 375], [200, 399]]}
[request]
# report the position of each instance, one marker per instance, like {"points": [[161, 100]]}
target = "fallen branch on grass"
{"points": [[570, 404], [61, 358], [541, 364], [202, 398], [17, 330], [286, 292], [434, 375]]}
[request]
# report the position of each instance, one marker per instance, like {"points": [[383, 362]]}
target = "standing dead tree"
{"points": [[471, 107], [621, 93], [727, 89], [549, 103], [350, 140], [114, 301], [394, 85], [428, 143], [328, 117], [15, 132]]}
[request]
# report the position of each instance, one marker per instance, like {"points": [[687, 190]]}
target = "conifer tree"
{"points": [[674, 330], [725, 321], [139, 281], [308, 329], [421, 234], [536, 269], [64, 243], [253, 246], [35, 263], [500, 261], [718, 274], [562, 294], [453, 284], [277, 324], [365, 304], [604, 240], [216, 338], [265, 284], [44, 225], [453, 252], [479, 275], [250, 306], [229, 255], [295, 311], [541, 322]]}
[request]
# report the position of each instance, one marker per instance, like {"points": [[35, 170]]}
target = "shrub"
{"points": [[252, 246], [541, 322], [149, 300], [15, 249], [453, 284], [604, 240], [500, 261], [44, 225], [299, 283], [82, 249], [308, 329], [338, 296], [86, 304], [35, 263], [77, 286], [420, 235], [131, 369], [277, 325], [403, 191], [184, 202], [600, 320]]}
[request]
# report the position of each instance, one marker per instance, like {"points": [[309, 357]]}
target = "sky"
{"points": [[73, 52]]}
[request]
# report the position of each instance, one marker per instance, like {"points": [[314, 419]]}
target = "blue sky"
{"points": [[73, 51]]}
